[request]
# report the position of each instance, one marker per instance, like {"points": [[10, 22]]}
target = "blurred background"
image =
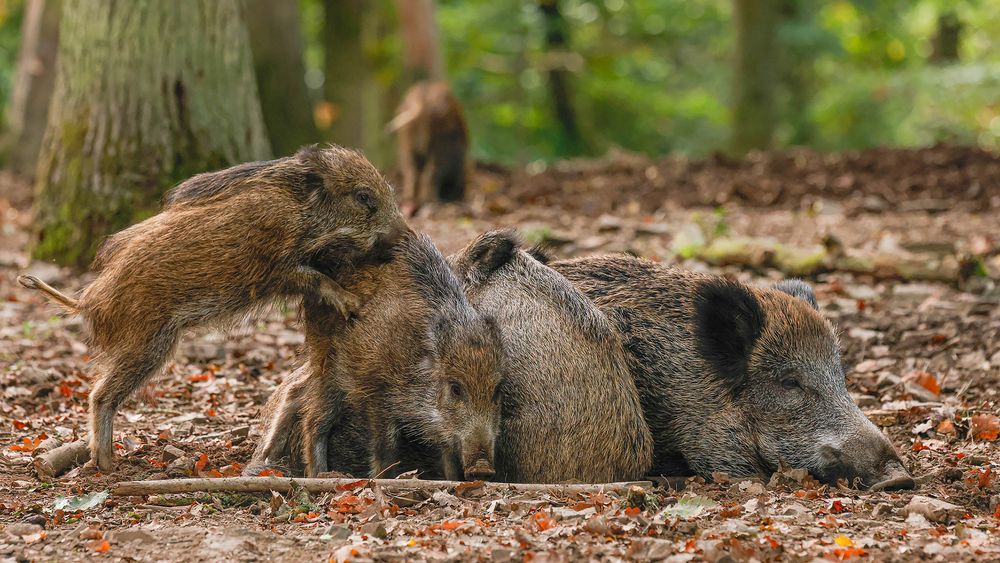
{"points": [[106, 105], [549, 79]]}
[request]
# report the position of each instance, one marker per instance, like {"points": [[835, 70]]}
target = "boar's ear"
{"points": [[728, 320], [540, 252], [488, 253], [313, 166], [800, 289]]}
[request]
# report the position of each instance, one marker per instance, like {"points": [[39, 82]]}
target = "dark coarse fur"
{"points": [[432, 145], [421, 366], [734, 378], [226, 243], [570, 408]]}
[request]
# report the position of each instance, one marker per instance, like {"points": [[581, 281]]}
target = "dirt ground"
{"points": [[923, 352]]}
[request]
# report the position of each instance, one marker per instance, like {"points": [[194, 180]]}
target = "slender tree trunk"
{"points": [[421, 47], [345, 69], [947, 38], [34, 80], [560, 88], [754, 74], [147, 93], [275, 30], [798, 72]]}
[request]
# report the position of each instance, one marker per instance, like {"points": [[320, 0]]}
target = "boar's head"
{"points": [[351, 209], [462, 367], [785, 398], [464, 371]]}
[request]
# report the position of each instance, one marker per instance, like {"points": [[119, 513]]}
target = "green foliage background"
{"points": [[654, 76]]}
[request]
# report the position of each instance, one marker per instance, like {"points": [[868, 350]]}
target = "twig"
{"points": [[329, 485], [58, 460]]}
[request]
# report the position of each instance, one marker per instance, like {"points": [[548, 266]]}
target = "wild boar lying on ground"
{"points": [[570, 409], [432, 144], [227, 242], [421, 365], [734, 378]]}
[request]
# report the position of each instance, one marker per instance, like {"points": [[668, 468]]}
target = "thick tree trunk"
{"points": [[754, 74], [275, 30], [421, 47], [147, 93], [557, 44], [34, 80], [345, 69]]}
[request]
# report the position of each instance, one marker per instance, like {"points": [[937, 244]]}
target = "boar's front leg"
{"points": [[309, 281], [385, 448]]}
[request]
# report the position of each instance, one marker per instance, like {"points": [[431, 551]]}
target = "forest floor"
{"points": [[903, 250]]}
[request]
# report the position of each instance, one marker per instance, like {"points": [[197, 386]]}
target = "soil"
{"points": [[923, 358]]}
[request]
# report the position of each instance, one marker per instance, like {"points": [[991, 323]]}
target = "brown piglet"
{"points": [[226, 244]]}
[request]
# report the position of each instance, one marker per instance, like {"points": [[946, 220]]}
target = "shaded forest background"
{"points": [[555, 79]]}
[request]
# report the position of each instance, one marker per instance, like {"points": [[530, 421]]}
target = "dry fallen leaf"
{"points": [[985, 427]]}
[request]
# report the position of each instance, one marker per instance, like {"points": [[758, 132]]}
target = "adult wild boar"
{"points": [[735, 378], [432, 144]]}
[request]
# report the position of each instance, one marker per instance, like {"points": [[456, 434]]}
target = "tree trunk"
{"points": [[798, 71], [33, 83], [275, 30], [421, 48], [754, 73], [147, 93], [557, 45], [345, 69], [947, 38]]}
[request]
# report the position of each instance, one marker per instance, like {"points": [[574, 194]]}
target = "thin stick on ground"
{"points": [[330, 485]]}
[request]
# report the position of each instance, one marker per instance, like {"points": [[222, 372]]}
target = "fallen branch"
{"points": [[332, 485], [58, 460]]}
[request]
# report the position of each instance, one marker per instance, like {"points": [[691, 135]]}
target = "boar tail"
{"points": [[67, 302]]}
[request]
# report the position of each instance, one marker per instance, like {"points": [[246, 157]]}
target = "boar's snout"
{"points": [[866, 459], [482, 469]]}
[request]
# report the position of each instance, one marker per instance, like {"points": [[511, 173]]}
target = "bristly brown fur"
{"points": [[227, 243]]}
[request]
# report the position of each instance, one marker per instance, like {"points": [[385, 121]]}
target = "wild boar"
{"points": [[432, 145], [421, 364], [734, 378], [226, 243]]}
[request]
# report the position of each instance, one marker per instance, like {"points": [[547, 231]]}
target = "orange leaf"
{"points": [[210, 412], [233, 470], [836, 507], [843, 541], [543, 521], [19, 425], [846, 553], [946, 426], [985, 427], [270, 473], [201, 377], [633, 511], [919, 446], [214, 473], [451, 524], [927, 381], [99, 546], [353, 485], [201, 463]]}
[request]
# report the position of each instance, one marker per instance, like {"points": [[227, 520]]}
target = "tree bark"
{"points": [[754, 73], [560, 88], [345, 69], [421, 46], [147, 93], [275, 30], [34, 80]]}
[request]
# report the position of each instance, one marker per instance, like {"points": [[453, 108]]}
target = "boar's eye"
{"points": [[365, 198], [790, 382], [455, 389]]}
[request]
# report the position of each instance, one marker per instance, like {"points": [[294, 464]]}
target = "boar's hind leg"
{"points": [[123, 371], [306, 280]]}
